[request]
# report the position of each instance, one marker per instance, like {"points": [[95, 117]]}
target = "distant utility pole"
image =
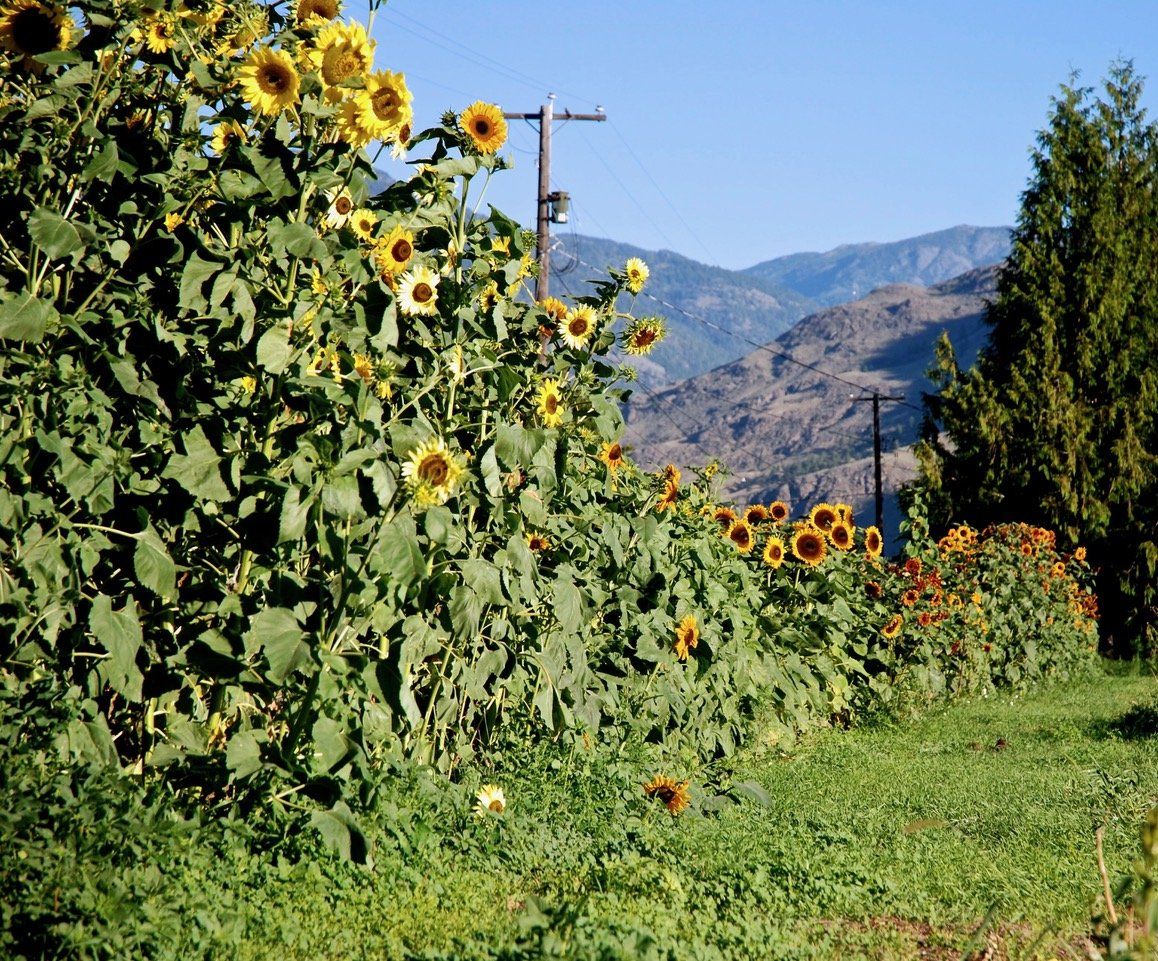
{"points": [[552, 206], [876, 402]]}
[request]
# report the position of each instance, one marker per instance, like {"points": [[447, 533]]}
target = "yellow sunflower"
{"points": [[674, 795], [269, 81], [637, 273], [225, 135], [669, 497], [364, 367], [431, 472], [30, 27], [549, 403], [844, 512], [483, 123], [553, 308], [159, 33], [778, 511], [740, 534], [873, 544], [641, 336], [393, 252], [348, 121], [756, 514], [490, 800], [841, 536], [774, 552], [725, 517], [537, 543], [342, 52], [341, 208], [312, 13], [362, 222], [612, 455], [687, 635], [823, 516], [578, 326], [383, 105], [893, 627], [418, 292], [672, 474], [808, 545]]}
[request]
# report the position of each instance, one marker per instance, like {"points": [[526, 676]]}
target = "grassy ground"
{"points": [[888, 841], [883, 842]]}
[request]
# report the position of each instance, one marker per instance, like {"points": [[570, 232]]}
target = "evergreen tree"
{"points": [[1057, 422]]}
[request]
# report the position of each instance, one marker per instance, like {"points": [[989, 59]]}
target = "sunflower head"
{"points": [[227, 134], [874, 590], [642, 335], [808, 545], [549, 403], [667, 500], [844, 512], [432, 472], [383, 106], [312, 13], [756, 514], [491, 800], [29, 28], [484, 126], [841, 536], [636, 273], [912, 567], [362, 222], [418, 292], [341, 208], [674, 795], [873, 544], [269, 81], [578, 325], [725, 517], [537, 543], [893, 627], [671, 475], [687, 634], [392, 253], [740, 534], [553, 308], [823, 516], [342, 53], [778, 511], [774, 552], [612, 455], [159, 33], [910, 597]]}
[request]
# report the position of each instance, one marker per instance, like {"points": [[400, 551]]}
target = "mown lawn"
{"points": [[889, 841]]}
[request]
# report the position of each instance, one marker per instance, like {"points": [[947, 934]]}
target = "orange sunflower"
{"points": [[808, 545]]}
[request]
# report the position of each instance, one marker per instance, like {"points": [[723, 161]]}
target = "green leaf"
{"points": [[340, 496], [273, 348], [277, 632], [104, 165], [568, 605], [119, 632], [243, 754], [753, 791], [154, 567], [53, 234], [295, 515], [400, 553], [341, 832], [299, 240], [197, 271], [198, 469], [25, 317]]}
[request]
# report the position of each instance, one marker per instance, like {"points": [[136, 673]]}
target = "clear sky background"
{"points": [[741, 131]]}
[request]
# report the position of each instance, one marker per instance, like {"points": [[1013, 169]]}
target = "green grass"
{"points": [[885, 842]]}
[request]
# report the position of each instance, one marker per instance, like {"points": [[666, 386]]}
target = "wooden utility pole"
{"points": [[546, 116], [880, 497]]}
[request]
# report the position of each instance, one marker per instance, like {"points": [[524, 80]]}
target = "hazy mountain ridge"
{"points": [[852, 270], [790, 432]]}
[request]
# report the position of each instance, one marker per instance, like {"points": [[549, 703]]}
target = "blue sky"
{"points": [[742, 131]]}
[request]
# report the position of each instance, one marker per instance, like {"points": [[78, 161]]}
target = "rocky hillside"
{"points": [[787, 431]]}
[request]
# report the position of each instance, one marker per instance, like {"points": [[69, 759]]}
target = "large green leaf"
{"points": [[119, 632], [55, 235], [25, 317], [153, 565], [277, 632], [198, 469]]}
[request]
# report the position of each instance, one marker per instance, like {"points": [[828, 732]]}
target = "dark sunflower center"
{"points": [[775, 552], [741, 537], [482, 127], [401, 250], [615, 453], [809, 546], [644, 338], [434, 470], [840, 536], [274, 78], [578, 327], [35, 31], [825, 520], [385, 103], [551, 404], [343, 205], [422, 293]]}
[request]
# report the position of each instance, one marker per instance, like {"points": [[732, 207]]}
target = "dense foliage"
{"points": [[1058, 422]]}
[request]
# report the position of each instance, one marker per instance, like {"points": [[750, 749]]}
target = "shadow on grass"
{"points": [[1137, 724]]}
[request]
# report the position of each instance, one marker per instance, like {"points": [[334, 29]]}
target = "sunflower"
{"points": [[418, 292], [740, 534], [687, 634], [537, 543], [893, 627], [671, 474], [612, 455], [808, 545], [844, 512], [578, 325], [910, 597], [312, 13], [873, 544], [384, 105], [364, 367], [756, 514], [1080, 554], [924, 619], [341, 208], [823, 516], [549, 403], [778, 511], [637, 274], [724, 516], [225, 135], [348, 122], [159, 33], [30, 27], [362, 222], [641, 336], [553, 308], [912, 567], [343, 52], [674, 795], [873, 589], [269, 81], [393, 252], [490, 800], [484, 124], [841, 536], [667, 500], [432, 472], [774, 552]]}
